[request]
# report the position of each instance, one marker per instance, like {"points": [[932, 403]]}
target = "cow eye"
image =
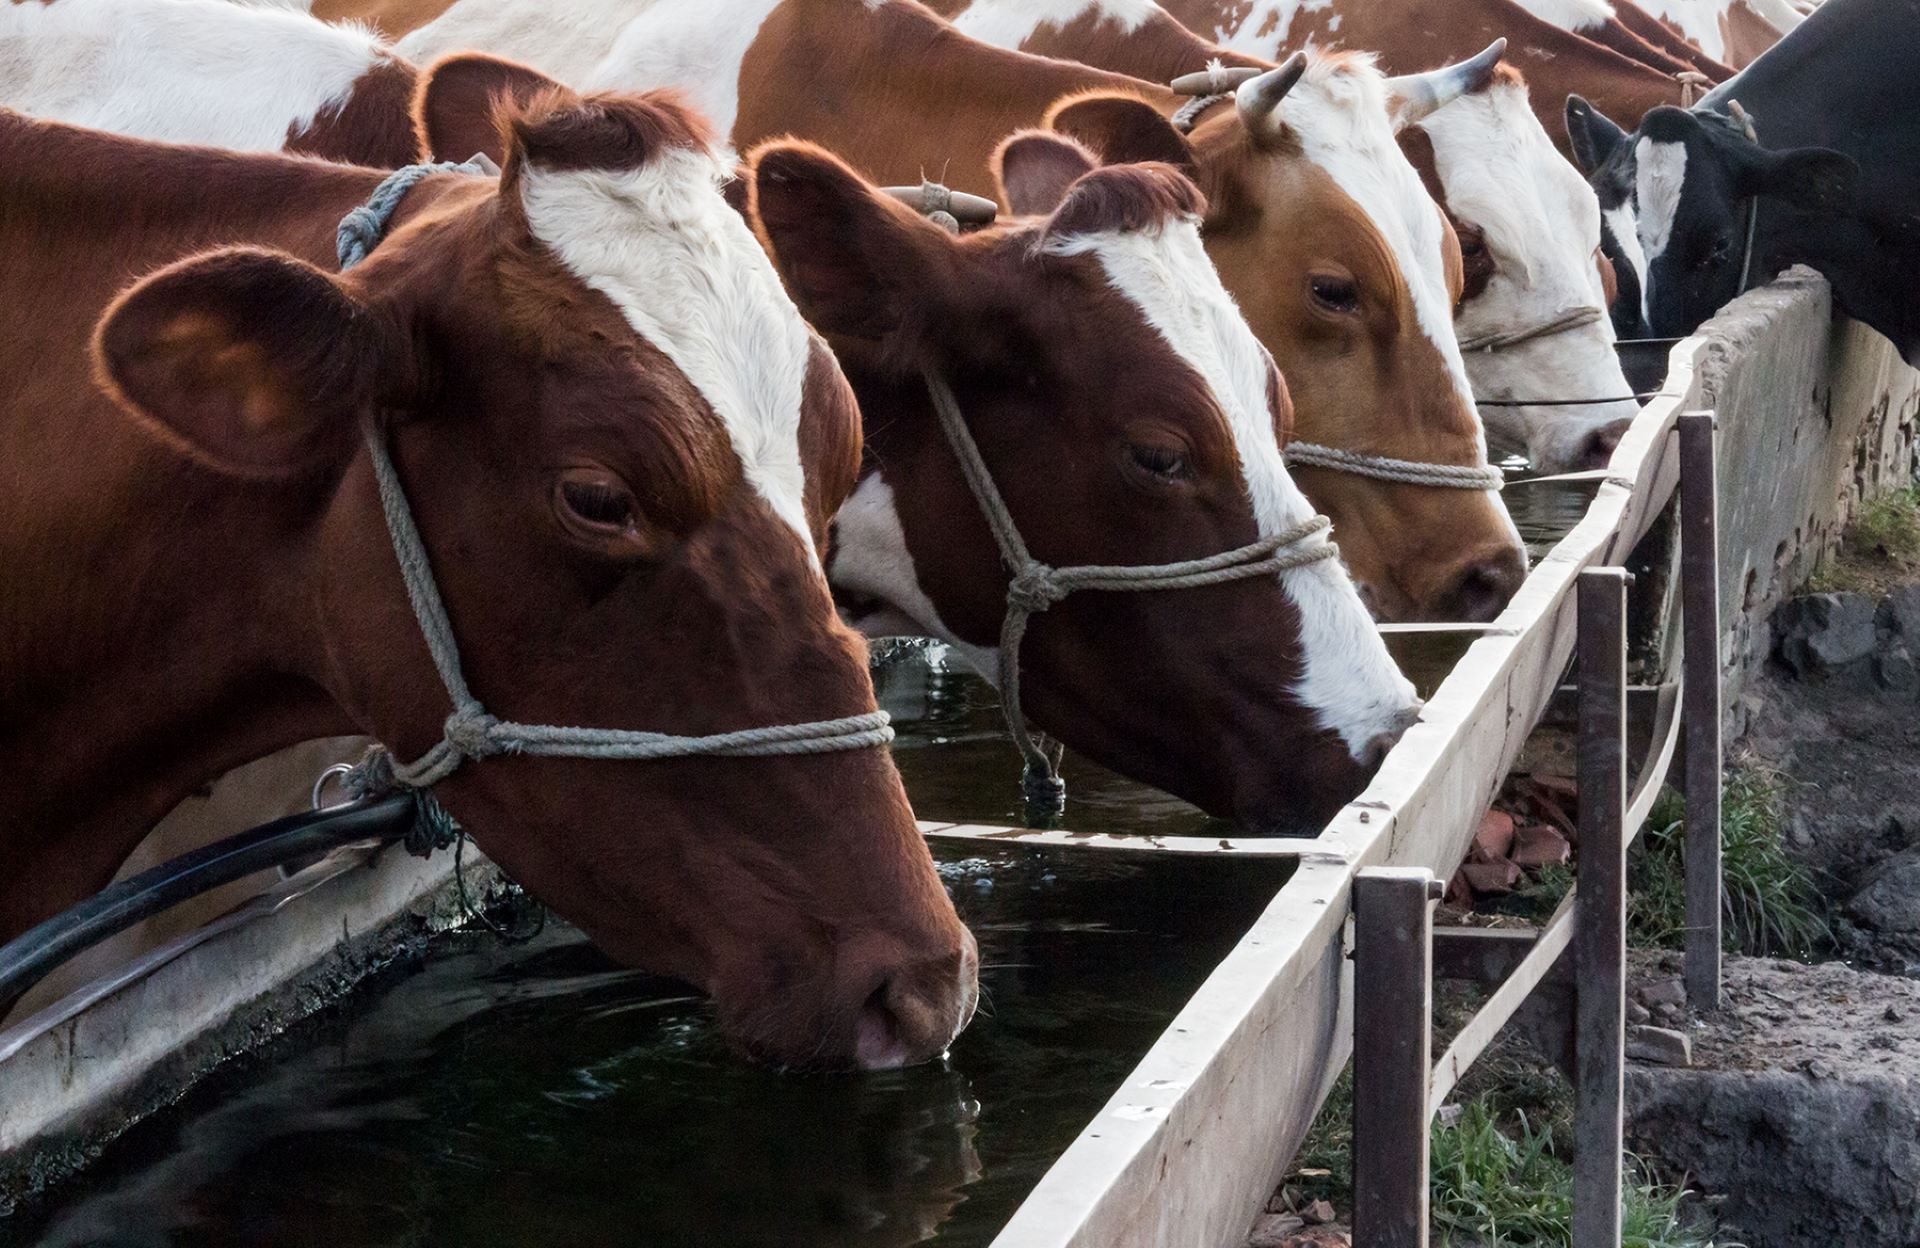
{"points": [[1166, 462], [1335, 293], [597, 502], [1472, 246]]}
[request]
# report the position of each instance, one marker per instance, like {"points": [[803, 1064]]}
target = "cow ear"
{"points": [[1817, 179], [1036, 168], [1123, 130], [454, 108], [250, 361], [1591, 134], [856, 261]]}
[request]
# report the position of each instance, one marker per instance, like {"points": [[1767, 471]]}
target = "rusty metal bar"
{"points": [[1599, 946], [1700, 621], [1392, 1025]]}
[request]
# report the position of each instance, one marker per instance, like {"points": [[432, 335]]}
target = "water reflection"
{"points": [[539, 1096]]}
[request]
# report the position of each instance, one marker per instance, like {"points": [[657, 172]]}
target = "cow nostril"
{"points": [[1483, 589], [1596, 450]]}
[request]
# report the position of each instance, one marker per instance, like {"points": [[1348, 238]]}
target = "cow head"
{"points": [[1696, 181], [1529, 229], [1128, 416], [1348, 272], [622, 447]]}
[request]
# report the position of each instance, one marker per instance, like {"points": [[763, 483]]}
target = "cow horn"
{"points": [[1215, 79], [1258, 97], [930, 197], [1413, 96]]}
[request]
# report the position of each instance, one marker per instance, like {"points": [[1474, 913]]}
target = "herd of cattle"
{"points": [[666, 423]]}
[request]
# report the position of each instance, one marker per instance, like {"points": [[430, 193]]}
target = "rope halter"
{"points": [[470, 732], [1035, 586]]}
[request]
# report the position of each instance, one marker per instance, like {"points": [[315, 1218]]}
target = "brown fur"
{"points": [[372, 127], [171, 615]]}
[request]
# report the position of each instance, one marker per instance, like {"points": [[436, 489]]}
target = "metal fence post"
{"points": [[1600, 921], [1392, 1054], [1700, 611]]}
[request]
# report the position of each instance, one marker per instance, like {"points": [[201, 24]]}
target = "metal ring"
{"points": [[320, 782]]}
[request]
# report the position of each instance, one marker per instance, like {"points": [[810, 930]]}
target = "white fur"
{"points": [[563, 40], [1348, 678], [1625, 224], [1704, 22], [184, 71], [1541, 220], [663, 245], [1573, 15], [1339, 114], [628, 45], [1262, 31], [1010, 23], [870, 557]]}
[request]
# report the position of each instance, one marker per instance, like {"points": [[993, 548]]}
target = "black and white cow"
{"points": [[1831, 178]]}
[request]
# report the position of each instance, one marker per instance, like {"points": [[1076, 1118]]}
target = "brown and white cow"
{"points": [[1316, 221], [622, 447], [1095, 344], [1528, 223], [1735, 32]]}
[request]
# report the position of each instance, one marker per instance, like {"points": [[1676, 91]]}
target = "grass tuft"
{"points": [[1880, 547], [1769, 905], [1509, 1189]]}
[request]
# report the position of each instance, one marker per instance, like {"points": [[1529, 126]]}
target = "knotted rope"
{"points": [[1739, 121], [469, 731], [1219, 88], [1693, 84], [1035, 586]]}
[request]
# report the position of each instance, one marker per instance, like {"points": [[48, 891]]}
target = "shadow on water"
{"points": [[537, 1095]]}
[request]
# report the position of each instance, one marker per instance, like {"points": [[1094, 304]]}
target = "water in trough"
{"points": [[490, 1094]]}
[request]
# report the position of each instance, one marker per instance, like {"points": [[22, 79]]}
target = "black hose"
{"points": [[31, 956]]}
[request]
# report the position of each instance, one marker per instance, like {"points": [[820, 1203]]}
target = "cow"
{"points": [[1769, 170], [1317, 222], [621, 447], [1528, 227], [1221, 699]]}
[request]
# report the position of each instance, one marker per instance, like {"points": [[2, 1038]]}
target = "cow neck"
{"points": [[222, 653]]}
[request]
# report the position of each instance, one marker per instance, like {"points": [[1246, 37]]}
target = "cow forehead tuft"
{"points": [[663, 245]]}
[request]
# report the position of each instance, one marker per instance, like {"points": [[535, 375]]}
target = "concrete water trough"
{"points": [[1167, 1003]]}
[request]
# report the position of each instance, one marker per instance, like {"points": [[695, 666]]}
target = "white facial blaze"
{"points": [[1010, 23], [688, 275], [1660, 173], [1541, 222], [183, 71], [1347, 675], [1338, 112]]}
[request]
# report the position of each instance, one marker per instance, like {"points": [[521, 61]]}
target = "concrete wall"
{"points": [[1816, 414]]}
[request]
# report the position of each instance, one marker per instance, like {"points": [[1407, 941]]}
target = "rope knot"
{"points": [[469, 730], [1034, 589]]}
